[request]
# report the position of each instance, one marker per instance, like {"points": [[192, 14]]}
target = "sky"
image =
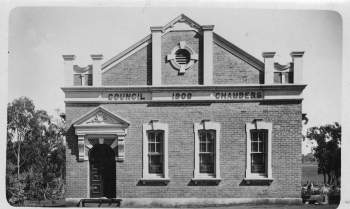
{"points": [[38, 37]]}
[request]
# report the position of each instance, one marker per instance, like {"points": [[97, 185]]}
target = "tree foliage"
{"points": [[328, 151], [35, 168]]}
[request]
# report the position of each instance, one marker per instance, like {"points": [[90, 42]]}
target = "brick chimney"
{"points": [[269, 67], [96, 69], [68, 69], [297, 57]]}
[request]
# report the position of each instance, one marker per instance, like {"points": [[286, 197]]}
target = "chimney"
{"points": [[96, 69], [156, 55], [68, 69], [297, 57], [269, 67], [207, 54]]}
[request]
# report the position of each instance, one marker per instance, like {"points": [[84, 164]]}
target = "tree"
{"points": [[35, 154], [328, 150], [19, 115]]}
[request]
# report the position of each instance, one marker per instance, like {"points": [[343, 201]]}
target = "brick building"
{"points": [[184, 117]]}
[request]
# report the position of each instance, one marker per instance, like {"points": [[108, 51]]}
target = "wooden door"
{"points": [[102, 172], [96, 179]]}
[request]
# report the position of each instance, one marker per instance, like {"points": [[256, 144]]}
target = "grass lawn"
{"points": [[309, 173]]}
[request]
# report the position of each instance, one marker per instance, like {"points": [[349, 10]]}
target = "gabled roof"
{"points": [[100, 116], [233, 49]]}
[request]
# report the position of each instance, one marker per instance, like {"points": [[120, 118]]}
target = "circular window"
{"points": [[182, 57]]}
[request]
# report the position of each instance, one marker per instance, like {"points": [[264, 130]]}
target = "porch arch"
{"points": [[100, 126]]}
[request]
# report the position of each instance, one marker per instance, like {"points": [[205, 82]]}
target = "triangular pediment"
{"points": [[100, 117], [182, 22]]}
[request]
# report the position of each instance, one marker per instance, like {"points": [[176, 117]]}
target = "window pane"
{"points": [[155, 164], [201, 135], [151, 147], [258, 163], [151, 136], [159, 136], [254, 135], [202, 147], [262, 135], [206, 163], [210, 146], [261, 147], [211, 135], [255, 147], [159, 147]]}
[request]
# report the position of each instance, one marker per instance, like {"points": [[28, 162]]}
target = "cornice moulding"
{"points": [[268, 54], [68, 57], [96, 56], [185, 87], [207, 27], [297, 54]]}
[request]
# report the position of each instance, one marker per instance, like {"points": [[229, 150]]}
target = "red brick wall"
{"points": [[134, 70], [286, 150], [137, 68], [169, 74], [229, 69], [76, 172]]}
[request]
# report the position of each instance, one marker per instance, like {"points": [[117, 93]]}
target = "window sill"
{"points": [[206, 180], [165, 181], [258, 181]]}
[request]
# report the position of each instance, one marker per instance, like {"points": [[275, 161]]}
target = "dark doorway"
{"points": [[102, 172]]}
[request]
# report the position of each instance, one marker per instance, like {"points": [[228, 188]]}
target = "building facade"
{"points": [[184, 117]]}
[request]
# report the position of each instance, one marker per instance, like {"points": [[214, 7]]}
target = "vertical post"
{"points": [[297, 57], [156, 55], [96, 69], [196, 127], [207, 54], [269, 67], [68, 69]]}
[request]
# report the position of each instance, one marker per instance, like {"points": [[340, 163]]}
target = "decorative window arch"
{"points": [[182, 57]]}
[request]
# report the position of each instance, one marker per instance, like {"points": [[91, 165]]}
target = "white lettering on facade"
{"points": [[238, 95], [185, 96], [126, 96], [182, 96]]}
